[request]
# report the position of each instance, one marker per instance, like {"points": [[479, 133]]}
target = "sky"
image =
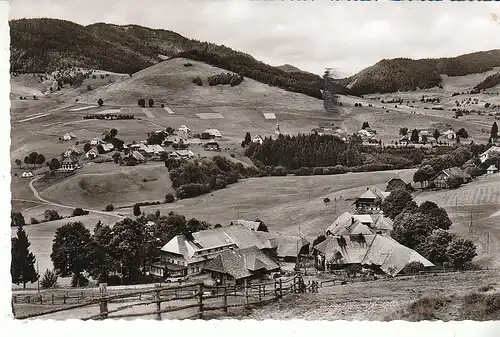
{"points": [[312, 35]]}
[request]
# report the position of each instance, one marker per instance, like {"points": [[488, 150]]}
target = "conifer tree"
{"points": [[22, 267]]}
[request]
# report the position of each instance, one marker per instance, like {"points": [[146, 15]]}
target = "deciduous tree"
{"points": [[396, 202], [460, 252], [17, 219], [70, 249]]}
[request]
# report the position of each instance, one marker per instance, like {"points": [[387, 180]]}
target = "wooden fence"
{"points": [[186, 301]]}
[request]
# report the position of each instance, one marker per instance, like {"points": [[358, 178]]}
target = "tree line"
{"points": [[303, 154]]}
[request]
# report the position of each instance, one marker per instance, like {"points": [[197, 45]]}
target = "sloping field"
{"points": [[111, 185], [472, 209], [169, 82], [375, 300], [281, 202]]}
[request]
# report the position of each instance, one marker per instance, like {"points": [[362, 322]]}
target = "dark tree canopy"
{"points": [[70, 249], [17, 219], [396, 202], [23, 261]]}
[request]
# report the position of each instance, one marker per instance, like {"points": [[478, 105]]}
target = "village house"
{"points": [[188, 256], [326, 126], [211, 146], [27, 174], [492, 169], [182, 154], [91, 154], [106, 147], [69, 136], [252, 225], [404, 141], [379, 252], [240, 265], [491, 152], [214, 133], [398, 182], [353, 224], [258, 139], [287, 248], [440, 180], [450, 134], [95, 141], [72, 151], [69, 163], [370, 201], [184, 128]]}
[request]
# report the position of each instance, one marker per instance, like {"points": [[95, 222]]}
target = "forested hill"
{"points": [[44, 45], [407, 74]]}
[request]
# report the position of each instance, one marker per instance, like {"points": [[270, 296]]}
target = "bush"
{"points": [[34, 221], [413, 267], [454, 182], [49, 279], [141, 102], [100, 102], [279, 171], [51, 215], [169, 198], [114, 280], [303, 171], [198, 81], [79, 212], [110, 208]]}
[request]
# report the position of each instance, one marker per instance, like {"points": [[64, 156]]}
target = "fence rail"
{"points": [[197, 296]]}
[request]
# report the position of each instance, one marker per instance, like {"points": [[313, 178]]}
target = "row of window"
{"points": [[182, 263], [195, 269]]}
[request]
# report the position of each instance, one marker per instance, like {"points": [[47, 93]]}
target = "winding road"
{"points": [[47, 202]]}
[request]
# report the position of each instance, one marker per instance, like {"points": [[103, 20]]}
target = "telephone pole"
{"points": [[38, 281], [488, 243]]}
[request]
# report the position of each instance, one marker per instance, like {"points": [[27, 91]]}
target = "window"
{"points": [[197, 269]]}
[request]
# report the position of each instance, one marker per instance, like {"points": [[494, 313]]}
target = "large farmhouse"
{"points": [[373, 250], [371, 200], [440, 180], [352, 224], [186, 256], [240, 265]]}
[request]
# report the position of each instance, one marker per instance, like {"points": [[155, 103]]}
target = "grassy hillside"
{"points": [[408, 74], [171, 82], [45, 45], [126, 185]]}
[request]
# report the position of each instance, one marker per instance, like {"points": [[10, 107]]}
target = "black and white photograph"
{"points": [[253, 160]]}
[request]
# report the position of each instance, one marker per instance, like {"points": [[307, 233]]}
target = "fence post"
{"points": [[40, 298], [64, 299], [12, 306], [225, 299], [200, 301], [264, 290], [281, 290], [245, 284], [103, 305], [260, 294], [158, 303], [15, 299], [52, 298]]}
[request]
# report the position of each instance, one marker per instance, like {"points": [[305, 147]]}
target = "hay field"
{"points": [[281, 202]]}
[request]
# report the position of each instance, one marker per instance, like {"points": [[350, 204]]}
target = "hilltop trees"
{"points": [[414, 136], [100, 102], [247, 140], [70, 250], [365, 125], [141, 102], [87, 147], [19, 163], [151, 102], [403, 131], [22, 268]]}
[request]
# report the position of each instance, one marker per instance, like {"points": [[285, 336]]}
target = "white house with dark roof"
{"points": [[183, 256], [450, 134], [492, 169], [492, 151], [69, 164], [69, 136], [213, 132], [258, 139]]}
